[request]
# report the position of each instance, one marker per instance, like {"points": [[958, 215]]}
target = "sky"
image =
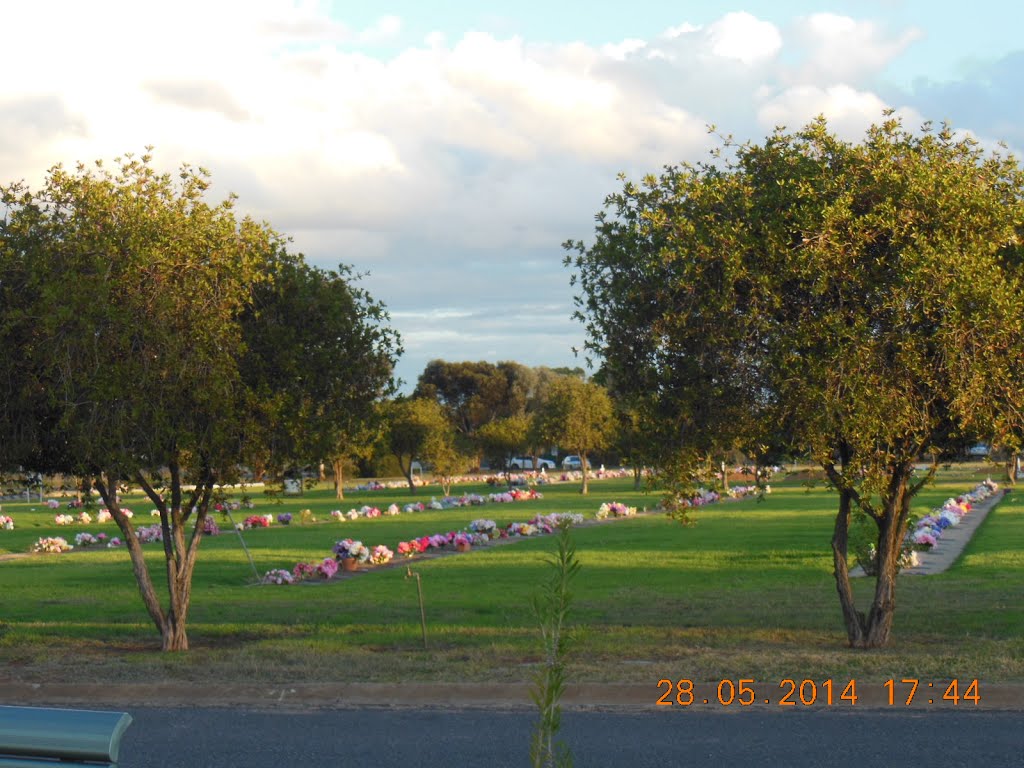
{"points": [[446, 150]]}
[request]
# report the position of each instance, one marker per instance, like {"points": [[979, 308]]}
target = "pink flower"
{"points": [[303, 570], [328, 567]]}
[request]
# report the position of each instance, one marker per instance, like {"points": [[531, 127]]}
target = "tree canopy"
{"points": [[474, 393], [578, 416], [418, 429], [150, 336], [860, 303]]}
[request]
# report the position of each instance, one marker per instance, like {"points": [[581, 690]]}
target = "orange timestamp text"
{"points": [[792, 692]]}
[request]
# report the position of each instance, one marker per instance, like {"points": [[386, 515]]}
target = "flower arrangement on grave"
{"points": [[924, 538], [52, 545], [85, 539], [381, 555], [614, 509], [6, 522], [486, 527], [928, 530], [351, 548], [522, 529], [277, 576], [327, 567], [741, 491], [410, 548], [210, 527], [284, 518], [303, 571], [148, 534], [63, 519]]}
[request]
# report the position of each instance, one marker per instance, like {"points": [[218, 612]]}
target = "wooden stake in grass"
{"points": [[423, 614], [241, 538], [551, 606]]}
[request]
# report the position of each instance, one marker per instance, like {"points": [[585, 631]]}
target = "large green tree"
{"points": [[860, 302], [417, 429], [319, 358], [502, 439], [474, 393], [132, 312], [578, 416]]}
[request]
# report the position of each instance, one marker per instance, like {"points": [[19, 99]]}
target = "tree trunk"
{"points": [[1012, 464], [173, 635], [179, 588], [873, 630], [339, 477], [890, 544], [583, 465], [852, 618], [407, 472], [725, 478], [179, 554], [638, 474], [139, 568]]}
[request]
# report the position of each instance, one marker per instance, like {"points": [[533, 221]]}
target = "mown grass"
{"points": [[746, 592]]}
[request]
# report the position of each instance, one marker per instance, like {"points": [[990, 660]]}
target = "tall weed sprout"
{"points": [[551, 606]]}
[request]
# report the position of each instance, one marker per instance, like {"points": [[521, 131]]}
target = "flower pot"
{"points": [[463, 546], [349, 564]]}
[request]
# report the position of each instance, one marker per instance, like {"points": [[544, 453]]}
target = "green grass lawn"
{"points": [[746, 592]]}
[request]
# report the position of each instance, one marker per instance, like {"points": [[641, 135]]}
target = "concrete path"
{"points": [[953, 540]]}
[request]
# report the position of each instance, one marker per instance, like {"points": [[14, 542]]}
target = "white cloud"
{"points": [[849, 112], [744, 38], [451, 169], [621, 51], [839, 48]]}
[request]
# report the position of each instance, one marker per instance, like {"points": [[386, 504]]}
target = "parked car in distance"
{"points": [[573, 462], [526, 462]]}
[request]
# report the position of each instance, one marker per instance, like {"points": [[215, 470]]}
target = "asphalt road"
{"points": [[178, 737]]}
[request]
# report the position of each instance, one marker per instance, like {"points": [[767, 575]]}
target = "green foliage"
{"points": [[578, 416], [551, 607], [475, 393], [149, 334], [861, 304], [502, 439], [418, 429], [318, 358]]}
